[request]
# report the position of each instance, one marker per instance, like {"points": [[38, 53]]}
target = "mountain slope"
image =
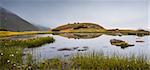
{"points": [[12, 22], [41, 28]]}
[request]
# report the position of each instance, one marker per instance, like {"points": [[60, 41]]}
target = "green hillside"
{"points": [[80, 27]]}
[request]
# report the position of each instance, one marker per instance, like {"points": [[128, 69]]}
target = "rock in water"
{"points": [[120, 43]]}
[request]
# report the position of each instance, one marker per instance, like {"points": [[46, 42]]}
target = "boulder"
{"points": [[120, 43]]}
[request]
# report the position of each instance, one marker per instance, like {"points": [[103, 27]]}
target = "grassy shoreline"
{"points": [[11, 57], [97, 62], [27, 43], [107, 32], [82, 62], [95, 28], [9, 33], [113, 32]]}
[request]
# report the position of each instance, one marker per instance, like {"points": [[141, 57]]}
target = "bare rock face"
{"points": [[13, 22], [120, 43]]}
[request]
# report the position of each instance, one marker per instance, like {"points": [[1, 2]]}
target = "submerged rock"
{"points": [[121, 43], [66, 55], [64, 49], [140, 41], [119, 34], [85, 48], [75, 48], [68, 49], [82, 49]]}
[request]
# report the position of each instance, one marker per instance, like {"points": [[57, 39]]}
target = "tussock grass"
{"points": [[10, 57], [97, 62], [101, 62], [27, 43], [12, 54], [92, 61]]}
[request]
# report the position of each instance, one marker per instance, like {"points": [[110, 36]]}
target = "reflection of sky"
{"points": [[99, 44], [108, 13]]}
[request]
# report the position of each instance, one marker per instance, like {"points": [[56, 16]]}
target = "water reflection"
{"points": [[80, 35], [121, 44], [88, 42], [19, 37]]}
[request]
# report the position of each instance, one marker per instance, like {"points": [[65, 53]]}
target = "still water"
{"points": [[93, 42]]}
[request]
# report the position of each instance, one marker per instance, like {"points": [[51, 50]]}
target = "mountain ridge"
{"points": [[12, 22]]}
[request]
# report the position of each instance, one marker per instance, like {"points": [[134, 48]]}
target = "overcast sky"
{"points": [[108, 13]]}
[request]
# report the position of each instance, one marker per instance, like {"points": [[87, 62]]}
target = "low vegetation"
{"points": [[97, 62], [12, 58], [2, 29], [83, 62], [127, 32], [9, 33], [95, 28], [35, 42], [83, 30], [79, 27], [12, 52]]}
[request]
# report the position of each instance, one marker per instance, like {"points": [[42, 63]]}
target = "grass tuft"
{"points": [[27, 43]]}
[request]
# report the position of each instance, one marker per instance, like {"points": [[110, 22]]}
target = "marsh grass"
{"points": [[10, 33], [97, 61], [101, 62], [27, 43], [94, 61], [10, 57], [11, 53]]}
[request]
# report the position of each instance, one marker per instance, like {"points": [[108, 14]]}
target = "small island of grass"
{"points": [[95, 28], [79, 27], [35, 42]]}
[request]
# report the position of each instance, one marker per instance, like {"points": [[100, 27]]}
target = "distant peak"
{"points": [[1, 8], [4, 10]]}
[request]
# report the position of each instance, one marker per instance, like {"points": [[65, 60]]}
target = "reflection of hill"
{"points": [[81, 35]]}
